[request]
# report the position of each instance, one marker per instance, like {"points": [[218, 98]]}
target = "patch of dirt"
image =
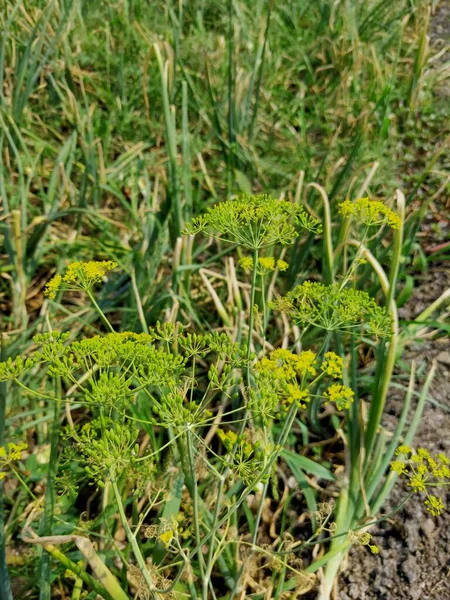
{"points": [[414, 558]]}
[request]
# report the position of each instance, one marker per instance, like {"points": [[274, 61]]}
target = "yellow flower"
{"points": [[246, 262], [417, 482], [370, 212], [79, 276], [282, 265], [304, 362], [443, 459], [228, 438], [398, 467], [423, 453], [166, 537], [53, 286], [285, 365], [300, 397], [341, 395], [88, 273], [13, 452], [267, 262], [333, 365], [441, 472], [425, 471], [434, 505]]}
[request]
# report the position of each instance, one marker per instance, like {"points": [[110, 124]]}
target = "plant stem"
{"points": [[132, 540], [5, 586], [281, 441], [49, 508], [195, 511], [100, 312], [214, 528], [55, 553], [251, 317]]}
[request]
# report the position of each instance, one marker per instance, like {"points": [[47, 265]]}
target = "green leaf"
{"points": [[308, 465]]}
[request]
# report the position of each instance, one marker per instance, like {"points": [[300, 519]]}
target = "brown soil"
{"points": [[414, 558]]}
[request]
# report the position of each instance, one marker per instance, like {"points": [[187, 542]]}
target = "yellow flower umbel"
{"points": [[333, 365], [285, 379], [341, 395], [254, 222], [245, 457], [423, 472], [9, 454], [370, 212], [266, 264], [79, 276], [313, 304]]}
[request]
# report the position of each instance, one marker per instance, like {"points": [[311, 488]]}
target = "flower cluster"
{"points": [[79, 276], [362, 538], [254, 221], [106, 448], [157, 377], [285, 365], [266, 264], [12, 369], [370, 212], [248, 459], [328, 307], [423, 472], [341, 395], [333, 365], [284, 379], [9, 454], [165, 530]]}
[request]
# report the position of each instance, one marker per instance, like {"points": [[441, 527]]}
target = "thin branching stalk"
{"points": [[132, 541], [195, 511], [100, 312], [49, 507], [210, 561], [251, 316], [5, 586]]}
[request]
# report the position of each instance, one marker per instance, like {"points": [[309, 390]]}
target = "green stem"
{"points": [[214, 527], [194, 495], [5, 586], [281, 441], [77, 587], [132, 540], [397, 250], [49, 508], [251, 317], [100, 312], [264, 310], [55, 553]]}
